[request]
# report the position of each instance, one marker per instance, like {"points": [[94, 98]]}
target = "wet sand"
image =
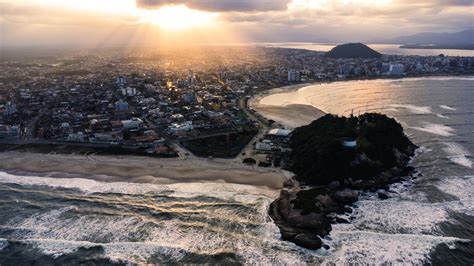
{"points": [[141, 170], [291, 115]]}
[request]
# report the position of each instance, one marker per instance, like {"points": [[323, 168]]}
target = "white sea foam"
{"points": [[167, 238], [458, 154], [133, 252], [415, 109], [246, 231], [399, 241], [461, 187], [370, 248], [399, 216], [445, 107], [140, 252], [63, 230], [3, 244], [437, 129], [401, 230], [223, 190], [442, 116]]}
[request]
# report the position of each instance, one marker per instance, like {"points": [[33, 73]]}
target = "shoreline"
{"points": [[135, 169], [296, 112]]}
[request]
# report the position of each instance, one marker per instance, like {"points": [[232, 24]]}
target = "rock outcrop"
{"points": [[336, 175]]}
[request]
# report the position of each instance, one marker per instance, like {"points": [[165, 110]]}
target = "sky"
{"points": [[104, 23]]}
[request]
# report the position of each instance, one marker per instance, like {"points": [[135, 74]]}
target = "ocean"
{"points": [[430, 219], [388, 49]]}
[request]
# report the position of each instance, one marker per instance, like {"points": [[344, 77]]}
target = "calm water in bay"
{"points": [[389, 49]]}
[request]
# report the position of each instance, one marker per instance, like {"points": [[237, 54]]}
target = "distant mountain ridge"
{"points": [[353, 50], [461, 38]]}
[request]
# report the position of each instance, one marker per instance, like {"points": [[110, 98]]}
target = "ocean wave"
{"points": [[437, 129], [144, 220], [460, 187], [222, 190], [372, 248], [142, 253], [442, 116], [399, 216], [3, 244], [445, 107], [415, 109], [260, 251], [458, 154]]}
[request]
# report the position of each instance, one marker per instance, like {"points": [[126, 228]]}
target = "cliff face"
{"points": [[378, 155], [353, 50]]}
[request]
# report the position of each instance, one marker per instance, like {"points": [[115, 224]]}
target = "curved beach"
{"points": [[298, 105], [291, 115]]}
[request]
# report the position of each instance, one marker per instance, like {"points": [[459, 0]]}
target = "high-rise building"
{"points": [[121, 106], [293, 75], [10, 108], [385, 67], [397, 69], [121, 81], [130, 92]]}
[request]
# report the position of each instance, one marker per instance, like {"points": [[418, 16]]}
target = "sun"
{"points": [[169, 17], [176, 17]]}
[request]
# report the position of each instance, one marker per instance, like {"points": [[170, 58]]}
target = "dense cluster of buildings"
{"points": [[149, 99], [275, 146]]}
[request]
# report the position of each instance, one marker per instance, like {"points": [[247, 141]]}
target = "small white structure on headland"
{"points": [[349, 143]]}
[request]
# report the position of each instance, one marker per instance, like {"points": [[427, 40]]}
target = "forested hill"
{"points": [[319, 156], [353, 50]]}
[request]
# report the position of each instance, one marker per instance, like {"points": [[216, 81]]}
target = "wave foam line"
{"points": [[222, 190], [371, 248], [458, 154], [437, 129], [449, 108]]}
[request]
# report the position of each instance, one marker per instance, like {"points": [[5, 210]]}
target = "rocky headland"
{"points": [[336, 158]]}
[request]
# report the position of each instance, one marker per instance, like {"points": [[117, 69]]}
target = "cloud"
{"points": [[32, 22], [457, 2], [437, 3], [219, 5]]}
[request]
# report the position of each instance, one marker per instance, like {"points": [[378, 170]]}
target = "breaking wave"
{"points": [[437, 129], [458, 154]]}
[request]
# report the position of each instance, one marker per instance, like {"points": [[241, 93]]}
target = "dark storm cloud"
{"points": [[220, 5]]}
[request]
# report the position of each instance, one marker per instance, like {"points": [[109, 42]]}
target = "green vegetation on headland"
{"points": [[337, 157], [319, 158]]}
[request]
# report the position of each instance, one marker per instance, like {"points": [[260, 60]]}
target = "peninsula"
{"points": [[336, 157]]}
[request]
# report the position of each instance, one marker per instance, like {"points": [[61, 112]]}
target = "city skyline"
{"points": [[87, 23]]}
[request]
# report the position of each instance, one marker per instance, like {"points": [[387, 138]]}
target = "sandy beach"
{"points": [[141, 169], [291, 115]]}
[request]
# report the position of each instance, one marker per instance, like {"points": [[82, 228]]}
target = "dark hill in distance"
{"points": [[461, 38], [353, 50]]}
